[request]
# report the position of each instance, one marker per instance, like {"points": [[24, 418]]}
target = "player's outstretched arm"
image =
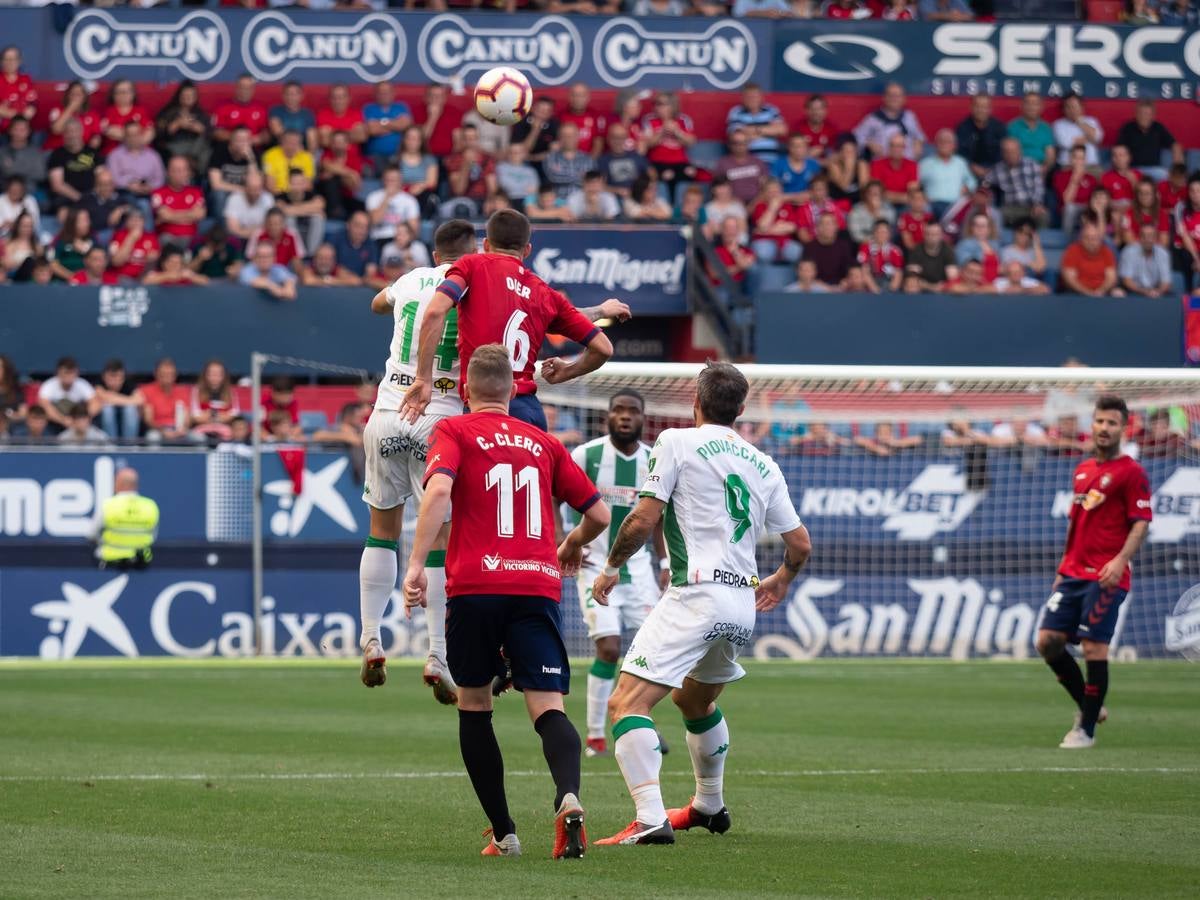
{"points": [[598, 351], [612, 308], [772, 590], [570, 552], [432, 514], [417, 397], [631, 536]]}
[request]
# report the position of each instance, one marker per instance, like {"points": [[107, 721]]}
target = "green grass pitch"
{"points": [[845, 779]]}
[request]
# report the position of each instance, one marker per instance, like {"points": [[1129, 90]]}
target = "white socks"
{"points": [[377, 572], [435, 598], [640, 759], [708, 743], [600, 682]]}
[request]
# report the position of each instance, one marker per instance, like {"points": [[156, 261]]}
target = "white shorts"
{"points": [[696, 631], [395, 451], [628, 604]]}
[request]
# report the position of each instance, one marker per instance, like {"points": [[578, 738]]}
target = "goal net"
{"points": [[937, 499]]}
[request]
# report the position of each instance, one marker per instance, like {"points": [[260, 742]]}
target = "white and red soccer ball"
{"points": [[503, 96]]}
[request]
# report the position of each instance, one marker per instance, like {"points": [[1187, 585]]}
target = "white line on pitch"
{"points": [[762, 773]]}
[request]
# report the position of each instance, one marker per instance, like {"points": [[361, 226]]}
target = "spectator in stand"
{"points": [[214, 403], [247, 210], [105, 206], [830, 251], [1088, 265], [1034, 134], [95, 271], [12, 395], [1121, 180], [178, 205], [710, 8], [759, 122], [796, 169], [303, 210], [1138, 13], [1026, 248], [242, 111], [165, 403], [882, 260], [847, 171], [1145, 210], [690, 210], [722, 206], [441, 121], [17, 94], [339, 177], [217, 256], [645, 204], [592, 203], [1074, 186], [323, 270], [1178, 13], [418, 169], [668, 133], [898, 11], [386, 120], [565, 167], [470, 172], [340, 116], [912, 222], [264, 274], [818, 203], [80, 432], [515, 176], [762, 9], [746, 174], [846, 9], [182, 128], [14, 202], [1147, 140], [404, 252], [37, 427], [1021, 184], [121, 402], [875, 131], [288, 154], [590, 123], [72, 244], [627, 112], [1174, 190], [945, 176], [583, 7], [821, 133], [978, 245], [136, 169], [885, 442], [945, 11], [390, 205], [971, 280], [931, 264], [735, 256], [20, 157], [1014, 280], [538, 132], [291, 115], [122, 109], [22, 249], [868, 211], [73, 105], [355, 250], [895, 172], [548, 207], [71, 169], [979, 136], [1076, 129], [806, 280], [228, 169], [172, 272], [819, 440], [621, 165], [1101, 208], [280, 396], [774, 231], [1157, 440], [58, 395], [349, 430], [289, 249], [1146, 266], [660, 8], [134, 248]]}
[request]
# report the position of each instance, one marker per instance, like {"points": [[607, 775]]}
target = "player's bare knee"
{"points": [[608, 649], [1093, 651], [1050, 643], [386, 523], [692, 706]]}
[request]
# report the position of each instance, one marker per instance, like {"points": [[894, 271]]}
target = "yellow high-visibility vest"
{"points": [[130, 522]]}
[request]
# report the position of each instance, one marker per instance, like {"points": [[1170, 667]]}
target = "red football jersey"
{"points": [[506, 473], [327, 118], [1134, 221], [820, 140], [591, 127], [180, 200], [1118, 186], [882, 261], [89, 120], [913, 224], [1083, 193], [895, 179], [788, 212], [146, 246], [501, 301], [808, 214], [17, 94], [231, 115], [82, 277], [113, 116], [1109, 497]]}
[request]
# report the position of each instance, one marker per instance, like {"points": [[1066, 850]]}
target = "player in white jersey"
{"points": [[617, 464], [395, 458], [716, 494]]}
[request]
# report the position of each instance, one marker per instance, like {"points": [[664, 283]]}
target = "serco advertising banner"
{"points": [[413, 48], [1002, 59]]}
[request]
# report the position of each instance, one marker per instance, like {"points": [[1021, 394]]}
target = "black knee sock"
{"points": [[560, 744], [1069, 676], [1093, 694], [485, 765]]}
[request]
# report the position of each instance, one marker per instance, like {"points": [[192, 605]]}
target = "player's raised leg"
{"points": [[708, 744], [377, 570]]}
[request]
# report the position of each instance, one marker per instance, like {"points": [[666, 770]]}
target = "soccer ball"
{"points": [[503, 96]]}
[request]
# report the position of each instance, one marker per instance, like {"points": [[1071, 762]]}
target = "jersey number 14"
{"points": [[446, 353]]}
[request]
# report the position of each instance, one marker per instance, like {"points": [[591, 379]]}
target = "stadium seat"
{"points": [[705, 154], [1053, 239], [774, 278], [312, 420]]}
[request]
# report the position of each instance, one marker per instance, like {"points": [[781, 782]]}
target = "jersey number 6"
{"points": [[516, 341]]}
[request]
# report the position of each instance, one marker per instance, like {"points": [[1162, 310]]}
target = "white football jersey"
{"points": [[721, 494], [410, 295]]}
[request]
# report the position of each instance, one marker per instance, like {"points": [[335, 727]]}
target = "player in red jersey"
{"points": [[1109, 520], [503, 581], [501, 301]]}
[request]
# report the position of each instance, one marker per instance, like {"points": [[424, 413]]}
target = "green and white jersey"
{"points": [[410, 295], [617, 477], [721, 494]]}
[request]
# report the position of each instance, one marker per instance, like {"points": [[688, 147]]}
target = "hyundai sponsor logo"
{"points": [[96, 42], [610, 268], [724, 55], [274, 46], [547, 50]]}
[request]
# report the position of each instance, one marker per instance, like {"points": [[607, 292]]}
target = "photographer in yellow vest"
{"points": [[127, 527]]}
